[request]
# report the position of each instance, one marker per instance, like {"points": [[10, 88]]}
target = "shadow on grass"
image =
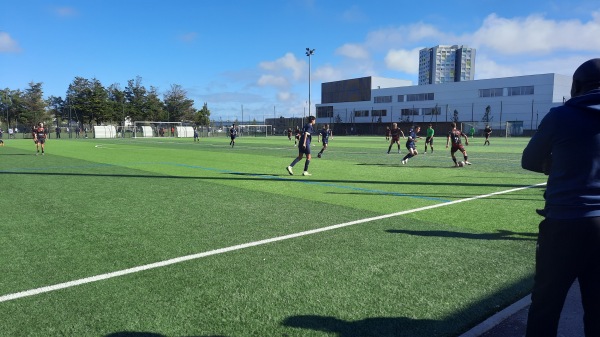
{"points": [[376, 326], [440, 196], [399, 164], [16, 154], [241, 176], [145, 334], [454, 324], [500, 235]]}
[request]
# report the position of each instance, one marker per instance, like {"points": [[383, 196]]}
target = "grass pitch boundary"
{"points": [[96, 278]]}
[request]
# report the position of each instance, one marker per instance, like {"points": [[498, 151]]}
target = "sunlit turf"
{"points": [[95, 206]]}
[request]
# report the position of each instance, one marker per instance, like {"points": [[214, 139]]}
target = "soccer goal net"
{"points": [[514, 128], [255, 130], [147, 129]]}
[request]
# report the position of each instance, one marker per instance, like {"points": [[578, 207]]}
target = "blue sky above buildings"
{"points": [[238, 53]]}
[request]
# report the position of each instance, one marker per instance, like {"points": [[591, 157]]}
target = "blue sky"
{"points": [[238, 53]]}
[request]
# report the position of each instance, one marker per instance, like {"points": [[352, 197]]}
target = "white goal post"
{"points": [[148, 129], [255, 130]]}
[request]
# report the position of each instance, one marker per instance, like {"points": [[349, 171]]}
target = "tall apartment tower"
{"points": [[442, 64]]}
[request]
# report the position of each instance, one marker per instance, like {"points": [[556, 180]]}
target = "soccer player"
{"points": [[388, 133], [304, 146], [297, 132], [429, 139], [324, 135], [196, 136], [232, 135], [454, 136], [395, 133], [289, 133], [40, 138], [487, 131], [411, 144]]}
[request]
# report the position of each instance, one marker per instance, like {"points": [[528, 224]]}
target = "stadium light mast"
{"points": [[309, 53]]}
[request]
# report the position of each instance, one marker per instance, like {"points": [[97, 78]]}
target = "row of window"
{"points": [[409, 98], [327, 112], [492, 92], [511, 91]]}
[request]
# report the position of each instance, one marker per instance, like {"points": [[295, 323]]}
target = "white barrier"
{"points": [[185, 132], [105, 131]]}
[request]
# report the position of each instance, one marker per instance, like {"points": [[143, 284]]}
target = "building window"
{"points": [[409, 112], [420, 97], [379, 113], [517, 91], [494, 92], [382, 99], [432, 111], [400, 98], [361, 113], [324, 111]]}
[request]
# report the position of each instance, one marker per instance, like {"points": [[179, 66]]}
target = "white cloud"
{"points": [[397, 37], [403, 60], [354, 14], [284, 96], [65, 11], [327, 74], [536, 34], [271, 80], [288, 62], [352, 50], [7, 44]]}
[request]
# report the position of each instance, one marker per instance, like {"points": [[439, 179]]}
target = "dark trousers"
{"points": [[566, 250]]}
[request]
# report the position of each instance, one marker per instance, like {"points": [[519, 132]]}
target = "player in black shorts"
{"points": [[304, 147], [40, 139], [324, 137], [395, 133], [232, 135]]}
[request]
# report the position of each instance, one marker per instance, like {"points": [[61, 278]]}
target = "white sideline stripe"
{"points": [[37, 291]]}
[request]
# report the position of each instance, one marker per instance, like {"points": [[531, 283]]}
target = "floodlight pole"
{"points": [[309, 53]]}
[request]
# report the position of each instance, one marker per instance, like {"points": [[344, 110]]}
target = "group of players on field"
{"points": [[39, 134], [453, 140]]}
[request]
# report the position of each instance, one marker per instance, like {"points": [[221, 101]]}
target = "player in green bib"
{"points": [[429, 139]]}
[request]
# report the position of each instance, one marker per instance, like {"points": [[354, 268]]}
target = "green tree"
{"points": [[155, 108], [178, 106], [78, 97], [202, 116], [116, 102], [56, 107], [34, 105], [98, 104], [136, 97]]}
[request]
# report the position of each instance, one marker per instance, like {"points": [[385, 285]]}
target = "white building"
{"points": [[521, 100], [442, 64]]}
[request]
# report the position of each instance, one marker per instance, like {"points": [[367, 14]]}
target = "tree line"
{"points": [[88, 102]]}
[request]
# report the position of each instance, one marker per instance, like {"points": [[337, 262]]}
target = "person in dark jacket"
{"points": [[566, 147]]}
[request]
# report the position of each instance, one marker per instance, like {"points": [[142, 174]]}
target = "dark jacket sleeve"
{"points": [[537, 156]]}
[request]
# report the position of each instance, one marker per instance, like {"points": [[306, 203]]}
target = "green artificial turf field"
{"points": [[167, 237]]}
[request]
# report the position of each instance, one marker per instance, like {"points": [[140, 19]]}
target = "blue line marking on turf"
{"points": [[265, 176], [352, 188]]}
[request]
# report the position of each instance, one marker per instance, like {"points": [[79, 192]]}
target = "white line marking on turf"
{"points": [[37, 291]]}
